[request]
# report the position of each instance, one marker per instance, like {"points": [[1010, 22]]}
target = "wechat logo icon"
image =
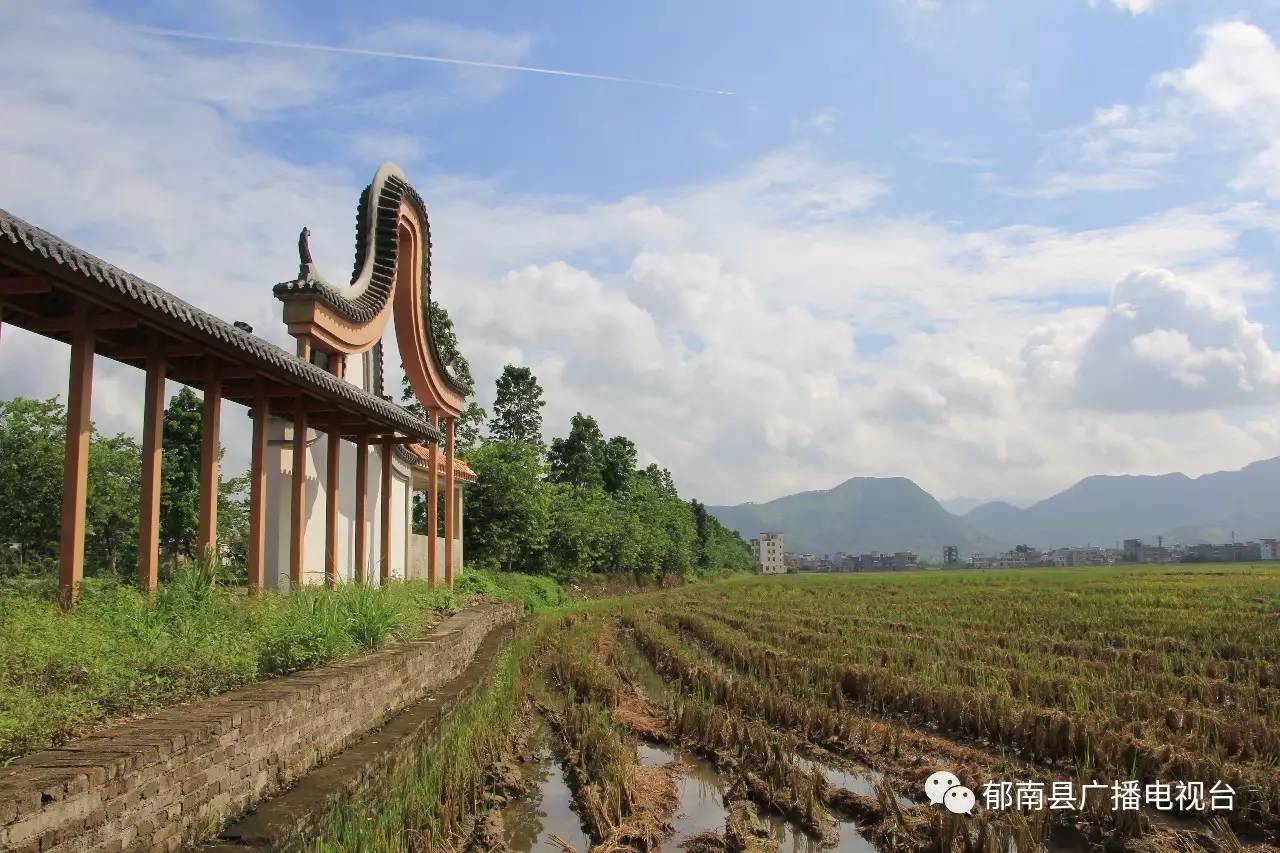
{"points": [[943, 788]]}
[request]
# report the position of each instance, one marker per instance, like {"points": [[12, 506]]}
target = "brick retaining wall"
{"points": [[159, 783]]}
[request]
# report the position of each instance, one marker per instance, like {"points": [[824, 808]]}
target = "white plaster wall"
{"points": [[399, 519], [276, 571], [420, 547], [279, 464]]}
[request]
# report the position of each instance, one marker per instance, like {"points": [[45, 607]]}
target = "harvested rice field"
{"points": [[810, 712]]}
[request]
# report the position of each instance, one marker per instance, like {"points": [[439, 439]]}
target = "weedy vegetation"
{"points": [[121, 652]]}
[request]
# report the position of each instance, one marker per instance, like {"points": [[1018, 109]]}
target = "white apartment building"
{"points": [[767, 548]]}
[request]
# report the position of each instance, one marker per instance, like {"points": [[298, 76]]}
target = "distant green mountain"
{"points": [[859, 515], [1103, 509]]}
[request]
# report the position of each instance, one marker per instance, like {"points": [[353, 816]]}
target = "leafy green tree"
{"points": [[578, 458], [112, 509], [469, 429], [180, 474], [581, 531], [661, 478], [508, 510], [32, 444], [619, 463], [702, 530], [517, 407], [233, 527]]}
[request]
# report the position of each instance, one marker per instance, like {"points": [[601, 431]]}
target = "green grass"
{"points": [[119, 653], [536, 592], [418, 806]]}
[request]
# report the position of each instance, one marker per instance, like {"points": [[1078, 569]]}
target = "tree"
{"points": [[581, 530], [578, 459], [111, 515], [517, 407], [702, 527], [661, 478], [180, 474], [233, 527], [468, 430], [32, 444], [508, 511], [619, 463]]}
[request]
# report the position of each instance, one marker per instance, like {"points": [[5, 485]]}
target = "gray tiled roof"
{"points": [[36, 247]]}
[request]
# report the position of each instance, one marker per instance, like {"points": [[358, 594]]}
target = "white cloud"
{"points": [[1237, 78], [1169, 343], [1133, 7]]}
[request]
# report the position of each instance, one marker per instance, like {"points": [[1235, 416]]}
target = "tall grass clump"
{"points": [[122, 652]]}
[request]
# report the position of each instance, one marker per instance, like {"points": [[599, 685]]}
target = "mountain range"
{"points": [[859, 515], [894, 514]]}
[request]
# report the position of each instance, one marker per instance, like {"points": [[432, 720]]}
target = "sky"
{"points": [[994, 247]]}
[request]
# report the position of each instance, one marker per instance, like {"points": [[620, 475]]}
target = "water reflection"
{"points": [[531, 820], [700, 790], [792, 839]]}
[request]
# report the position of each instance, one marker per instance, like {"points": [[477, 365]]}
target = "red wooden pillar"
{"points": [[449, 518], [384, 571], [210, 423], [333, 470], [152, 452], [362, 505], [297, 511], [76, 461], [257, 548], [433, 503]]}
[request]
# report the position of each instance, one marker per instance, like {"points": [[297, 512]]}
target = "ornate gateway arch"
{"points": [[336, 324], [317, 424]]}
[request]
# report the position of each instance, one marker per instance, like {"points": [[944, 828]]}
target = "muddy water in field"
{"points": [[793, 840], [862, 780], [531, 821], [701, 791]]}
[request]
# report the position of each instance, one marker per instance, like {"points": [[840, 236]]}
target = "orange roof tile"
{"points": [[460, 468]]}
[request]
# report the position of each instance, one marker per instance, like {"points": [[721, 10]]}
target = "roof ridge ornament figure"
{"points": [[306, 265]]}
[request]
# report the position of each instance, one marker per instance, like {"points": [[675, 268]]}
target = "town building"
{"points": [[769, 553], [334, 464]]}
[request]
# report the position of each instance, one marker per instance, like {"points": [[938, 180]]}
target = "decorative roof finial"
{"points": [[306, 266]]}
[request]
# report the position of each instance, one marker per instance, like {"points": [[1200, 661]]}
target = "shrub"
{"points": [[477, 583], [537, 592]]}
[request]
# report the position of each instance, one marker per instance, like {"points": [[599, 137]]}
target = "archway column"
{"points": [[384, 570], [258, 491], [433, 504], [152, 455], [210, 424], [449, 517], [75, 470], [362, 506], [333, 470]]}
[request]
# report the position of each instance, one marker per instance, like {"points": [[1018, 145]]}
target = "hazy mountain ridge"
{"points": [[894, 514], [1104, 508], [859, 515]]}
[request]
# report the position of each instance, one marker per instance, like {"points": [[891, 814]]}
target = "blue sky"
{"points": [[994, 247]]}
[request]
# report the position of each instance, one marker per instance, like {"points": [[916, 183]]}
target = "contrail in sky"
{"points": [[418, 57]]}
